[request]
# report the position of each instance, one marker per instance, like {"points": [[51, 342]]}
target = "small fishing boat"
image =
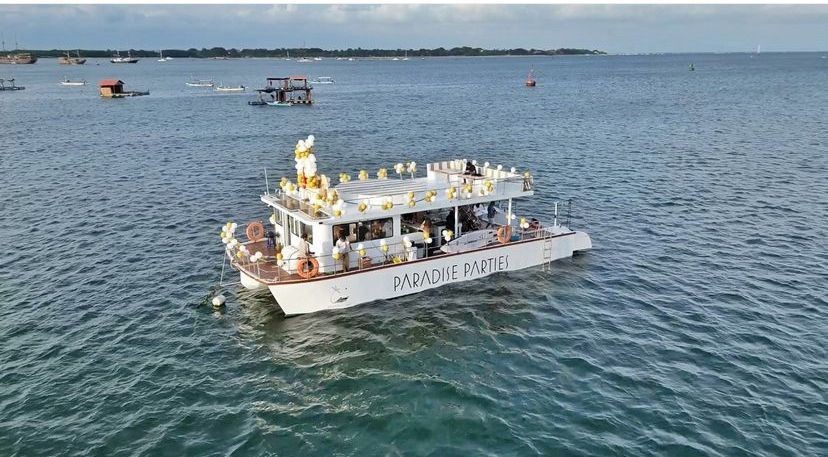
{"points": [[323, 80], [222, 88], [530, 79], [118, 59], [201, 83], [69, 82], [691, 67], [322, 246], [8, 84]]}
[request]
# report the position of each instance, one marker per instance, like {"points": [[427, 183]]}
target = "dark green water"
{"points": [[697, 325]]}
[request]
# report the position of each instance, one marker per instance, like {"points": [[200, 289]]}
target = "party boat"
{"points": [[329, 247]]}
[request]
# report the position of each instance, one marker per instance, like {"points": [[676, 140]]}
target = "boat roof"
{"points": [[441, 176], [110, 82]]}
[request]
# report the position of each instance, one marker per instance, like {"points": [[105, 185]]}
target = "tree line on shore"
{"points": [[318, 52]]}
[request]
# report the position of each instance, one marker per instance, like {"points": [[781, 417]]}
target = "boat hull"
{"points": [[351, 289]]}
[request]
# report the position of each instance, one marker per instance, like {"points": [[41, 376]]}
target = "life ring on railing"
{"points": [[255, 231], [504, 234], [307, 267]]}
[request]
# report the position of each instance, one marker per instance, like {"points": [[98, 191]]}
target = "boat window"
{"points": [[279, 217], [299, 228], [376, 229]]}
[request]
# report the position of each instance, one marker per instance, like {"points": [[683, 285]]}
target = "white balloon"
{"points": [[253, 258], [474, 162], [311, 138], [513, 170], [499, 167], [486, 165], [259, 254]]}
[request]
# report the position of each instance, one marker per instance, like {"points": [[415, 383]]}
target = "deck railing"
{"points": [[395, 254]]}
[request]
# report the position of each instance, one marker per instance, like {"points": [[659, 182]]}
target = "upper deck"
{"points": [[446, 185]]}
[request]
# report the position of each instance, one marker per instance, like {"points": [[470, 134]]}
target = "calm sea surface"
{"points": [[697, 326]]}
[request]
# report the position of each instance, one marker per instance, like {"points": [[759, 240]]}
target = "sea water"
{"points": [[696, 325]]}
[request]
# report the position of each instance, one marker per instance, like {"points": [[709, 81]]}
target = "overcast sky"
{"points": [[613, 28]]}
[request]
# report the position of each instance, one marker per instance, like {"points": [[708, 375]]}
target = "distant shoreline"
{"points": [[220, 52]]}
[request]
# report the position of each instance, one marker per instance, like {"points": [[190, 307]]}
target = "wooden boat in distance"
{"points": [[8, 84], [114, 88], [69, 82], [530, 79], [23, 58], [69, 60]]}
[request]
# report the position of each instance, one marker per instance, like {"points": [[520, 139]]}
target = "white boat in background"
{"points": [[317, 59], [201, 83], [405, 233], [162, 59], [280, 104], [323, 80], [222, 88], [406, 56], [68, 82], [304, 60]]}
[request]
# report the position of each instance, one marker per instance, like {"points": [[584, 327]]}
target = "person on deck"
{"points": [[491, 211], [304, 247], [344, 251]]}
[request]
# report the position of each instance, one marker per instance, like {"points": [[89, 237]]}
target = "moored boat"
{"points": [[200, 83], [530, 79], [223, 88], [69, 82], [323, 80], [20, 58], [287, 91], [118, 59], [9, 85], [114, 88], [330, 247], [69, 60]]}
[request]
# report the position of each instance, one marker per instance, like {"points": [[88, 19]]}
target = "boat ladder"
{"points": [[547, 250]]}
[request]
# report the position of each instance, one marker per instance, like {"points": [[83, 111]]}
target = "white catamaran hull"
{"points": [[350, 289]]}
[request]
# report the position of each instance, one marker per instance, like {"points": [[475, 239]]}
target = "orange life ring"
{"points": [[307, 267], [255, 231], [504, 234]]}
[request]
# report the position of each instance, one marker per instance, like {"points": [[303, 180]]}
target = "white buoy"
{"points": [[218, 301]]}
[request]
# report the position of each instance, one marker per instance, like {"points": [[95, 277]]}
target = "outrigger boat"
{"points": [[407, 233], [69, 82], [201, 83], [8, 84], [323, 80], [223, 88]]}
